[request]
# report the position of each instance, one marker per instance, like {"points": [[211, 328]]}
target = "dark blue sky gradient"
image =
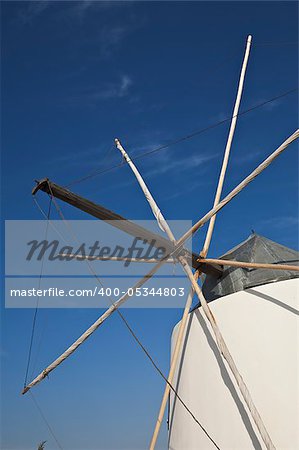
{"points": [[75, 75]]}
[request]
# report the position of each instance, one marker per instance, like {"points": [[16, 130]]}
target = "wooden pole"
{"points": [[197, 289], [205, 249], [220, 341], [116, 258], [90, 330], [227, 356], [102, 213], [239, 188], [208, 238], [155, 209], [164, 226], [173, 366], [225, 262], [116, 221]]}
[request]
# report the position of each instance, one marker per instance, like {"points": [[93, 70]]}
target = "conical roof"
{"points": [[257, 249]]}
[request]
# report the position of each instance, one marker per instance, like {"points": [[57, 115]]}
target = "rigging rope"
{"points": [[45, 420], [37, 301], [39, 344], [93, 174], [133, 334], [262, 44], [166, 380], [181, 139], [46, 217]]}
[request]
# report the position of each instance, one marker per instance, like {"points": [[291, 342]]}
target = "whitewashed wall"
{"points": [[261, 328]]}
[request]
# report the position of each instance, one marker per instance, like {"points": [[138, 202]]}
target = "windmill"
{"points": [[176, 251]]}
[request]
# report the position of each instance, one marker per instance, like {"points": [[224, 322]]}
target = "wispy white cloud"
{"points": [[80, 7], [105, 39], [32, 9], [84, 6], [77, 158], [117, 89], [124, 86], [190, 187], [168, 165], [161, 160], [246, 157], [108, 37], [111, 38], [97, 157], [268, 106], [106, 91], [161, 166], [111, 32], [281, 222]]}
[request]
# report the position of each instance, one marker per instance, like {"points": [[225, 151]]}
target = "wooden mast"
{"points": [[84, 336], [223, 349], [116, 220], [213, 211], [183, 323], [176, 248], [239, 187], [207, 242]]}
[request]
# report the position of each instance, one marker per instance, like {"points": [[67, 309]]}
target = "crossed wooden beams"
{"points": [[57, 191], [175, 250], [115, 220]]}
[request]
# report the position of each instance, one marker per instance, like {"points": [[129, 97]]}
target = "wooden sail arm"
{"points": [[209, 315], [114, 219], [209, 234], [239, 187], [116, 258]]}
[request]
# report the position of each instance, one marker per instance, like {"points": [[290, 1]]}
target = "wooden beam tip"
{"points": [[39, 185], [26, 389]]}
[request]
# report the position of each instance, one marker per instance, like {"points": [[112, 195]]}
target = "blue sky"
{"points": [[75, 75]]}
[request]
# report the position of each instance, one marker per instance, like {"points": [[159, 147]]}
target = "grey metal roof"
{"points": [[255, 248]]}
